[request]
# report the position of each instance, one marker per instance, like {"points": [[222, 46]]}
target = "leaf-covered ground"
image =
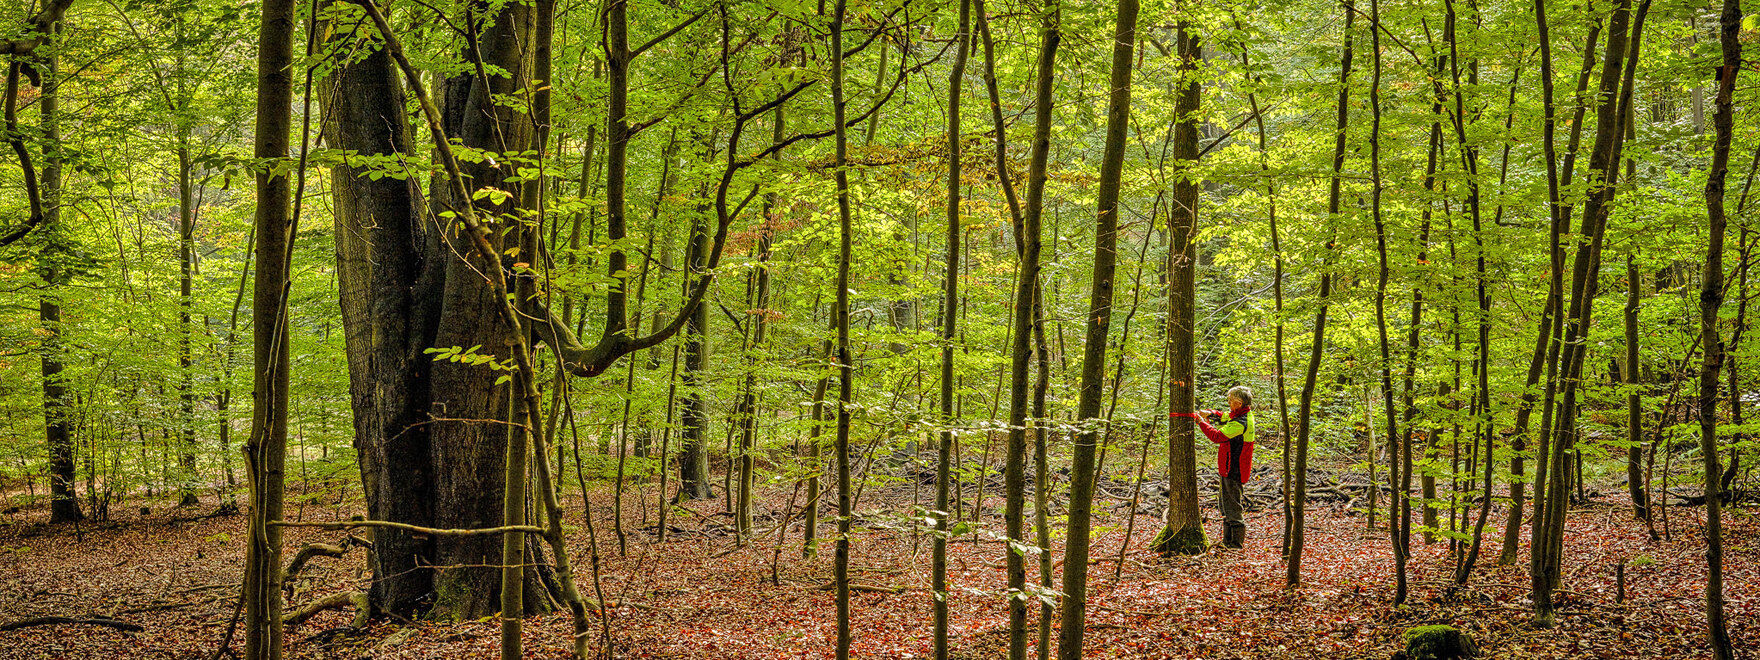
{"points": [[176, 575]]}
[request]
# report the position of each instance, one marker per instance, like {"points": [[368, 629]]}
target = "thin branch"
{"points": [[414, 529]]}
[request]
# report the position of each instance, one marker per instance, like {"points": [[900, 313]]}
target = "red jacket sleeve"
{"points": [[1210, 432]]}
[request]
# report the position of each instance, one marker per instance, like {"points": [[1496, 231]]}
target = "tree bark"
{"points": [[1710, 300], [1634, 408], [1616, 78], [840, 320], [389, 273], [57, 428], [1184, 533], [949, 332], [1099, 321], [266, 452], [693, 460]]}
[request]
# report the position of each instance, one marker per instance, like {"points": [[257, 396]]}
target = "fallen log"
{"points": [[67, 620]]}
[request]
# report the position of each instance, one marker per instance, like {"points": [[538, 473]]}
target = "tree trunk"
{"points": [[1546, 550], [949, 331], [1316, 350], [693, 461], [1184, 533], [266, 452], [1399, 484], [433, 450], [1710, 300], [389, 272], [1081, 489], [840, 320], [57, 429], [1634, 409], [1482, 422]]}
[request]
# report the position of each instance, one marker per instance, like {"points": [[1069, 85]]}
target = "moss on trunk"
{"points": [[1188, 541]]}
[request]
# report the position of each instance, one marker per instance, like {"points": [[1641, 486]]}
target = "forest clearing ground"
{"points": [[176, 575]]}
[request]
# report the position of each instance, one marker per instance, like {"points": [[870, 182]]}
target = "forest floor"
{"points": [[176, 574]]}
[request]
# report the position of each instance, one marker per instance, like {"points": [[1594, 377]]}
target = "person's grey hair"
{"points": [[1243, 393]]}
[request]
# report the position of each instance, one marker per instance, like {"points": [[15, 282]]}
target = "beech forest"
{"points": [[832, 329]]}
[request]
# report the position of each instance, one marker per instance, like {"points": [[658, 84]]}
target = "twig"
{"points": [[431, 531], [866, 588], [64, 620]]}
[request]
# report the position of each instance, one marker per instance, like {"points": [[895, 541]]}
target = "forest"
{"points": [[878, 329]]}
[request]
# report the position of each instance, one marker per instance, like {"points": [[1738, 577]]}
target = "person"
{"points": [[1234, 457]]}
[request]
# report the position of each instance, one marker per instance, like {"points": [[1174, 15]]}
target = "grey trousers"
{"points": [[1234, 529]]}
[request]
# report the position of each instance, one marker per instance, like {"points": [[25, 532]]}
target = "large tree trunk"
{"points": [[468, 453], [1088, 416], [57, 429], [428, 435], [389, 271]]}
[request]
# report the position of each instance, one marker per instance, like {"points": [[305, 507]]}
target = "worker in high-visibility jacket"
{"points": [[1233, 436]]}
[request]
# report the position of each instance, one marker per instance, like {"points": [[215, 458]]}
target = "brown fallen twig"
{"points": [[865, 588], [67, 620]]}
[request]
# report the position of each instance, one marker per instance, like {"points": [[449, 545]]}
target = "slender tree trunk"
{"points": [[186, 396], [1277, 301], [1563, 211], [1400, 549], [1710, 301], [1634, 406], [1554, 292], [1027, 331], [1482, 423], [693, 461], [1317, 349], [266, 452], [1081, 489], [1617, 72], [949, 331], [840, 318], [815, 460]]}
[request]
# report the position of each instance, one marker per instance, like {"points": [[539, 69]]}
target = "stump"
{"points": [[1438, 643]]}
